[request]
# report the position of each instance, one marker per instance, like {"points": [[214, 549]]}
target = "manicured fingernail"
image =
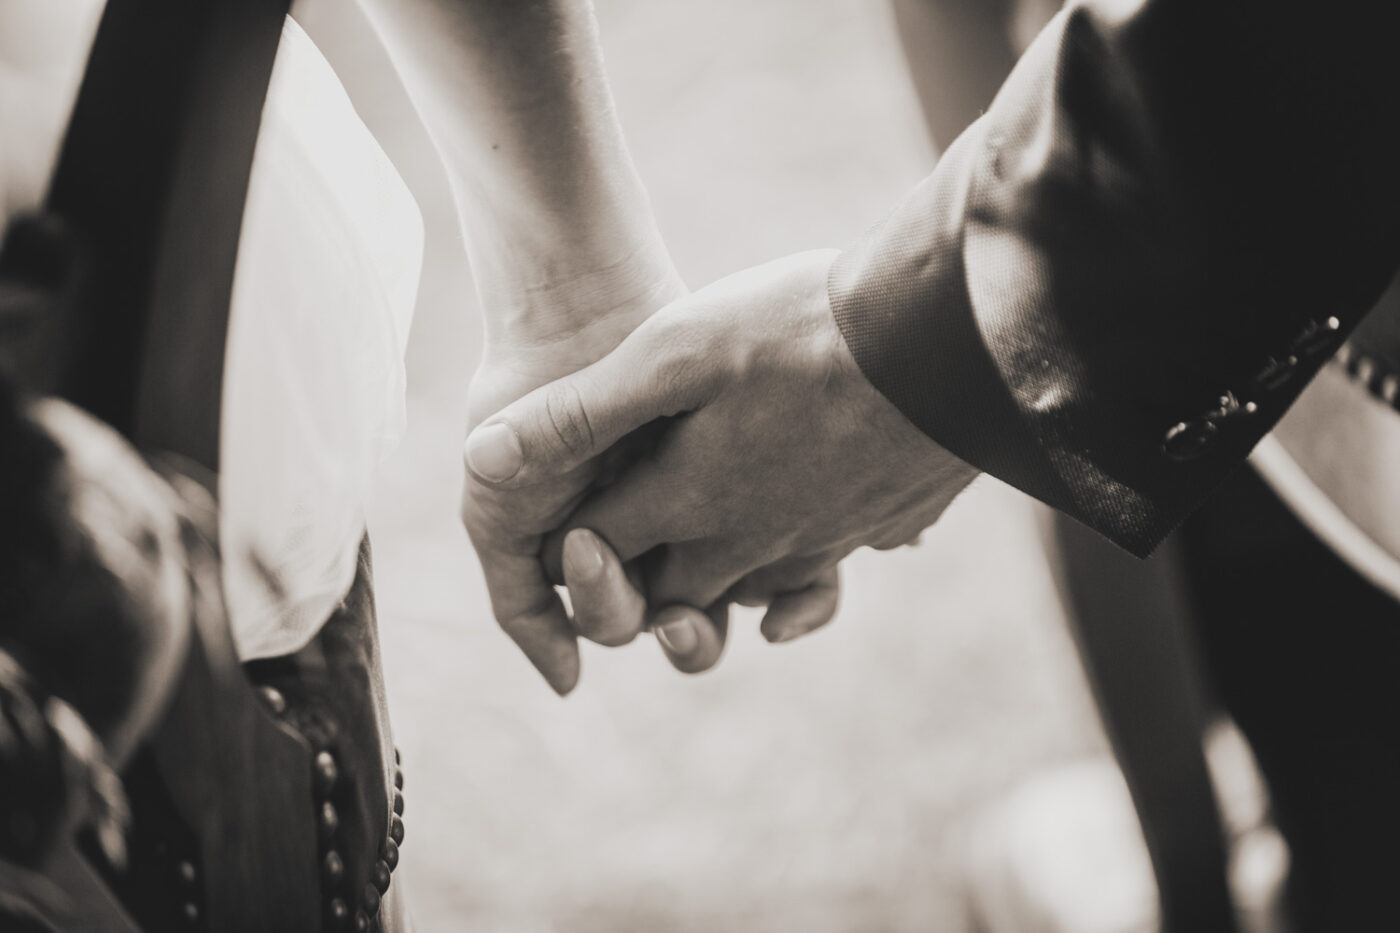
{"points": [[679, 636], [493, 452], [583, 557]]}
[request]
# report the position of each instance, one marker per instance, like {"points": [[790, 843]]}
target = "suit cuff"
{"points": [[903, 297]]}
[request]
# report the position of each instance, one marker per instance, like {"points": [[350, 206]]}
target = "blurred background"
{"points": [[825, 785]]}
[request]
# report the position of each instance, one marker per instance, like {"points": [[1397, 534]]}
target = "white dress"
{"points": [[323, 297]]}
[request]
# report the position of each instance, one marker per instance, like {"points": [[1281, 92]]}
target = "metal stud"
{"points": [[390, 854], [190, 912], [332, 868], [185, 871], [398, 779], [1390, 389], [1365, 370], [379, 876], [370, 899], [326, 772], [361, 922], [396, 830], [329, 820], [275, 700], [338, 913], [398, 803]]}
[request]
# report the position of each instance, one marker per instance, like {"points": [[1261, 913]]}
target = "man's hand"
{"points": [[781, 458]]}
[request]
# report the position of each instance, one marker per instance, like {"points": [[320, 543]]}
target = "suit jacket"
{"points": [[1117, 280]]}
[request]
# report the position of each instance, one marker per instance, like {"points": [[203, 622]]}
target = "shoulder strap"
{"points": [[152, 179]]}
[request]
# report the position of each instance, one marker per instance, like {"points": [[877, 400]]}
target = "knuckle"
{"points": [[477, 519], [689, 352], [568, 419], [690, 364], [515, 620]]}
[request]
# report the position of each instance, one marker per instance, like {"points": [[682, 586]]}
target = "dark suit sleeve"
{"points": [[1119, 278]]}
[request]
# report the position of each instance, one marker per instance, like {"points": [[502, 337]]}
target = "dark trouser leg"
{"points": [[1306, 657], [959, 52], [1128, 621]]}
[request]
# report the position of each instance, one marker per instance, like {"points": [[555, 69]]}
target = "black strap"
{"points": [[152, 179]]}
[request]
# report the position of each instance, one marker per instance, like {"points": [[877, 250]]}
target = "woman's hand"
{"points": [[537, 333]]}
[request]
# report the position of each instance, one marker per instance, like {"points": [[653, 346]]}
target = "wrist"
{"points": [[535, 295], [552, 317]]}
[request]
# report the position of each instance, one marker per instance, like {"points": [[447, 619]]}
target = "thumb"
{"points": [[565, 423]]}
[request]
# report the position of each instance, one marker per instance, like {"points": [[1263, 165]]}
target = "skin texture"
{"points": [[777, 458], [567, 260], [559, 231]]}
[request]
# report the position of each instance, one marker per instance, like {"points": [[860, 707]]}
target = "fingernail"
{"points": [[583, 558], [679, 636], [782, 635], [493, 452]]}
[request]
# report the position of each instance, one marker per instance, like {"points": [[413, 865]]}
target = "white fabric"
{"points": [[1334, 460], [323, 297], [1316, 509]]}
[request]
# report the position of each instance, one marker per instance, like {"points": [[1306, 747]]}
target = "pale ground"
{"points": [[817, 786]]}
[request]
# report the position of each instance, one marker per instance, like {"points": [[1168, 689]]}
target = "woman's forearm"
{"points": [[515, 98]]}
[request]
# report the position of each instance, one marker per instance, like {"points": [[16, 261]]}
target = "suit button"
{"points": [[1277, 374], [275, 700], [1318, 336], [1187, 440]]}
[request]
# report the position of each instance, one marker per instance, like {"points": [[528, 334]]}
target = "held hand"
{"points": [[781, 458], [551, 332], [609, 609]]}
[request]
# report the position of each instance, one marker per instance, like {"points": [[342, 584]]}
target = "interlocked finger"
{"points": [[531, 613], [794, 614], [609, 607], [633, 516], [692, 640], [788, 575]]}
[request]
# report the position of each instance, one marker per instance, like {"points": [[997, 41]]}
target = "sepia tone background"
{"points": [[824, 785]]}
